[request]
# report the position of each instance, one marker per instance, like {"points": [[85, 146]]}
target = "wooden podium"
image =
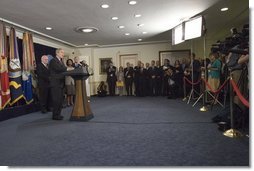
{"points": [[81, 110]]}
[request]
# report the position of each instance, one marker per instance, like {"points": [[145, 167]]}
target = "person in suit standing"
{"points": [[57, 81], [159, 77], [142, 80], [136, 78], [111, 78], [43, 84], [76, 63], [128, 76], [152, 73]]}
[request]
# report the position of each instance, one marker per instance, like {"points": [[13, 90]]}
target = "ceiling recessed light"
{"points": [[140, 25], [139, 40], [137, 15], [224, 9], [86, 29], [86, 44], [121, 27], [144, 32], [48, 28], [114, 18], [127, 34], [132, 2], [104, 6]]}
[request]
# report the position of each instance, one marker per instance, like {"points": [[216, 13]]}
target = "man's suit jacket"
{"points": [[111, 74], [128, 73], [56, 68], [43, 75]]}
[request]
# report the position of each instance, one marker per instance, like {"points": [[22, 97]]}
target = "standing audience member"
{"points": [[136, 78], [184, 64], [152, 73], [159, 77], [179, 78], [56, 68], [43, 84], [196, 69], [120, 79], [147, 65], [111, 78], [142, 80], [69, 83], [165, 87], [128, 76]]}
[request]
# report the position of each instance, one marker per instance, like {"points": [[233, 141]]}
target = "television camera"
{"points": [[234, 46]]}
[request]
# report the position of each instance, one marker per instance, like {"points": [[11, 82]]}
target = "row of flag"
{"points": [[15, 80]]}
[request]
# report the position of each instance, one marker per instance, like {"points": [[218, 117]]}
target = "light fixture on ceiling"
{"points": [[121, 27], [127, 34], [48, 28], [140, 25], [224, 9], [86, 29], [114, 18], [104, 6], [137, 15], [139, 40], [132, 2], [144, 32], [86, 44]]}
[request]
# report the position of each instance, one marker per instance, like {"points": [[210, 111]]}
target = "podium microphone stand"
{"points": [[81, 110]]}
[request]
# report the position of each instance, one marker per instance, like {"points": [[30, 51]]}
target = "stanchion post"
{"points": [[184, 89], [232, 133], [203, 108]]}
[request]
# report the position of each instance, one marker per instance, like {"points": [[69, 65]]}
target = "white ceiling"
{"points": [[159, 17]]}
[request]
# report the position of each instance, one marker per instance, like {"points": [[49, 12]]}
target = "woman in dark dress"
{"points": [[179, 78]]}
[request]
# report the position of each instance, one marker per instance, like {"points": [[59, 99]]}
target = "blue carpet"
{"points": [[125, 131]]}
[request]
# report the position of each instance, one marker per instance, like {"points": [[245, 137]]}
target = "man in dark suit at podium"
{"points": [[57, 80]]}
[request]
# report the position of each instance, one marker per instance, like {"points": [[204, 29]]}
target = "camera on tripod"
{"points": [[237, 45]]}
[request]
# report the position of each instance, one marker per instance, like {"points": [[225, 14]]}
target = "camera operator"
{"points": [[214, 72], [236, 50]]}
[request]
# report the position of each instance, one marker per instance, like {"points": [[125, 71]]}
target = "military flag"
{"points": [[4, 78], [28, 66], [14, 69]]}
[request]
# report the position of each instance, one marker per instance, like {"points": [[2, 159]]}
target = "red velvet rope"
{"points": [[243, 100], [184, 78], [218, 90]]}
